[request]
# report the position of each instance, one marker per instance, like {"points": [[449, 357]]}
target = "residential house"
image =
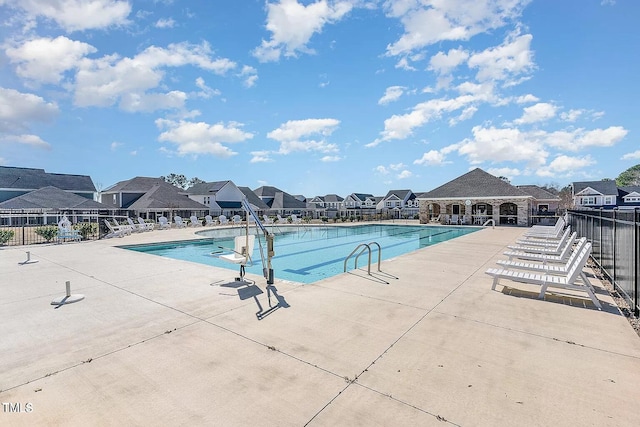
{"points": [[630, 197], [474, 198], [33, 196], [399, 204], [328, 206], [595, 194], [360, 204], [280, 202], [15, 181], [151, 198], [255, 202], [222, 197]]}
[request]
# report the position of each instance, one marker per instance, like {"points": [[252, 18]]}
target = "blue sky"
{"points": [[318, 97]]}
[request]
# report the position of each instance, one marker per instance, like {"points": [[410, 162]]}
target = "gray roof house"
{"points": [[15, 181], [399, 203], [153, 197], [51, 198], [630, 196], [256, 203], [328, 205], [280, 202], [222, 197], [595, 194], [474, 198]]}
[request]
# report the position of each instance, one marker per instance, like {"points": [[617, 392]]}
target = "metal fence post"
{"points": [[636, 218]]}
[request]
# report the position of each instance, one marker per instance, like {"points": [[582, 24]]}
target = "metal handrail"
{"points": [[379, 254], [363, 246]]}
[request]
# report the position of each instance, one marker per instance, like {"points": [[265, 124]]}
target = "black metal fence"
{"points": [[615, 238]]}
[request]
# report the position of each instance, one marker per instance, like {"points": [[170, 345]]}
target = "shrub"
{"points": [[47, 233], [324, 219], [87, 229], [5, 236]]}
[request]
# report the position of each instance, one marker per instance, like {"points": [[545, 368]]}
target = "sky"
{"points": [[323, 96]]}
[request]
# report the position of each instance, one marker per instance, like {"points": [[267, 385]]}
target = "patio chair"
{"points": [[295, 219], [116, 230], [223, 220], [566, 281], [163, 222], [435, 219], [236, 220], [579, 250], [556, 249], [179, 222], [542, 257], [66, 231], [543, 241], [280, 220], [453, 219], [266, 220], [545, 231], [241, 253], [148, 225], [209, 221], [194, 221], [135, 226]]}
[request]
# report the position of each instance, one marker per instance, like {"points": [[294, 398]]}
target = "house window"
{"points": [[590, 200], [115, 199], [455, 209], [608, 200], [207, 200], [388, 203]]}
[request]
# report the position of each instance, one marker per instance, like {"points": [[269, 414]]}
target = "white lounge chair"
{"points": [[194, 221], [66, 231], [543, 241], [545, 231], [164, 223], [266, 220], [435, 219], [295, 219], [135, 226], [551, 268], [280, 220], [565, 281], [179, 222], [209, 221], [453, 219], [223, 220], [236, 220], [567, 239], [116, 230], [241, 252], [542, 257], [148, 225]]}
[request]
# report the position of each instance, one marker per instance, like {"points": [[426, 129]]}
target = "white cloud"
{"points": [[76, 15], [293, 24], [497, 145], [19, 110], [631, 156], [165, 23], [506, 61], [431, 158], [25, 139], [44, 60], [331, 159], [382, 170], [294, 135], [528, 98], [403, 63], [250, 76], [115, 145], [571, 115], [393, 93], [260, 157], [537, 113], [397, 166], [508, 172], [404, 174], [202, 138], [429, 22], [565, 166], [444, 63], [104, 81], [579, 139], [205, 91]]}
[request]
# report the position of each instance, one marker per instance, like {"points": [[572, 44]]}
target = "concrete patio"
{"points": [[158, 341]]}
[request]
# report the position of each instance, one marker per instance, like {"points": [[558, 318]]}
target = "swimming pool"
{"points": [[307, 254]]}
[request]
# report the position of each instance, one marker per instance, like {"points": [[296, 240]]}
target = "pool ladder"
{"points": [[364, 247]]}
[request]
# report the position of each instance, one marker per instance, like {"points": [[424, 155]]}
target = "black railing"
{"points": [[615, 238]]}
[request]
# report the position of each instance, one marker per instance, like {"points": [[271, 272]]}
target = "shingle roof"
{"points": [[538, 193], [474, 184], [51, 198], [602, 187], [207, 187], [400, 194], [139, 184], [165, 196], [253, 198], [28, 178]]}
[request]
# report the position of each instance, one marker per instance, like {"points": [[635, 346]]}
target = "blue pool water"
{"points": [[308, 254]]}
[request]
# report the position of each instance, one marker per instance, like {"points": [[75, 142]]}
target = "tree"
{"points": [[181, 181], [629, 177], [566, 197], [195, 180]]}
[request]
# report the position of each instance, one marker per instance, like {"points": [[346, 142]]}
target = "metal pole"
{"points": [[636, 261]]}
